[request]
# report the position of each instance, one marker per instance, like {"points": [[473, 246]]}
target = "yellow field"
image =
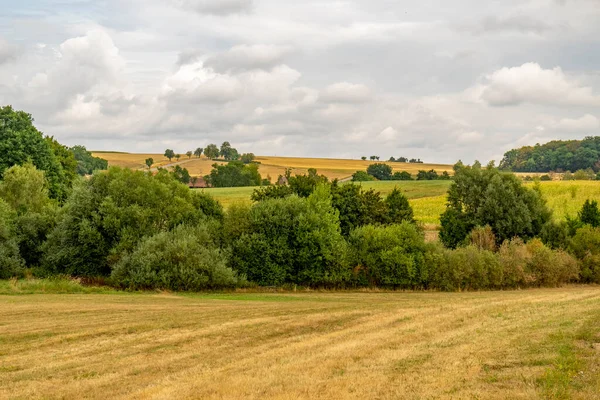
{"points": [[491, 345], [270, 166], [567, 197]]}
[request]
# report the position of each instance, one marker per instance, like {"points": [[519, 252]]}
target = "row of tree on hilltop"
{"points": [[393, 159], [212, 151]]}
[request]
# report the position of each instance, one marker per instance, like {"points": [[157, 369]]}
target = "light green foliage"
{"points": [[388, 256], [110, 213], [211, 151], [185, 259], [362, 176], [21, 142], [293, 240], [25, 189]]}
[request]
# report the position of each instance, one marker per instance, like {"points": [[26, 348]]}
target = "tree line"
{"points": [[557, 155], [138, 230], [384, 172]]}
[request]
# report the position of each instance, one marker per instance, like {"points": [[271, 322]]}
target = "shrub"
{"points": [[585, 246], [483, 238], [382, 172], [186, 259], [110, 213], [430, 175], [293, 240], [402, 176], [455, 228], [590, 214], [514, 259], [399, 209], [556, 235], [357, 207], [362, 176], [234, 174], [391, 256], [11, 263], [550, 268]]}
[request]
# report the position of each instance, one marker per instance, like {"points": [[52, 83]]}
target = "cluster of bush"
{"points": [[384, 172], [137, 230]]}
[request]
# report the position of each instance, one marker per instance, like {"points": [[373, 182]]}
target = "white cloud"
{"points": [[216, 7], [8, 52], [530, 83], [587, 124], [345, 92], [248, 57]]}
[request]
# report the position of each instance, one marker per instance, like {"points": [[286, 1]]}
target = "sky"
{"points": [[436, 80]]}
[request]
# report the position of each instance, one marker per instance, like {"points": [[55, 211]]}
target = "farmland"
{"points": [[494, 345], [269, 166]]}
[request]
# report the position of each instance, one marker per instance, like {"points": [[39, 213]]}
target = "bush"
{"points": [[185, 259], [234, 174], [590, 214], [399, 209], [402, 176], [430, 175], [549, 268], [556, 235], [390, 256], [382, 172], [107, 216], [483, 238], [295, 241], [514, 259], [362, 176], [585, 246], [11, 263]]}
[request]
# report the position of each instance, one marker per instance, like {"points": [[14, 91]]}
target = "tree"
{"points": [[373, 158], [189, 154], [399, 209], [149, 162], [382, 172], [247, 158], [363, 158], [24, 188], [107, 216], [402, 176], [590, 214], [234, 174], [362, 176], [228, 152], [21, 142], [181, 174], [198, 152], [430, 175], [177, 156], [86, 162], [169, 154], [211, 151], [485, 196], [11, 263]]}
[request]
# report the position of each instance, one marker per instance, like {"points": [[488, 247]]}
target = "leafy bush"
{"points": [[234, 174], [590, 214], [358, 207], [483, 238], [430, 175], [185, 259], [293, 240], [585, 245], [550, 268], [556, 235], [480, 197], [11, 263], [380, 171], [390, 256], [399, 209], [402, 176], [110, 213], [362, 176]]}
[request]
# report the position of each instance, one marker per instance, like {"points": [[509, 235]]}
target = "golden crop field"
{"points": [[530, 344], [269, 166]]}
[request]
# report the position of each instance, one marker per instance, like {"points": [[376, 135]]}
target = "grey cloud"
{"points": [[8, 52], [188, 57], [217, 7], [248, 57], [518, 23]]}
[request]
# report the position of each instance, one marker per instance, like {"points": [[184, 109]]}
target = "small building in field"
{"points": [[197, 183]]}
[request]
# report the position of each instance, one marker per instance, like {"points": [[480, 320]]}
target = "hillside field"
{"points": [[269, 166], [529, 344]]}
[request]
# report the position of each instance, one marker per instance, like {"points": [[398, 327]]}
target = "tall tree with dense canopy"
{"points": [[21, 142], [86, 162], [169, 153], [382, 172], [485, 196], [234, 174], [211, 151], [198, 152]]}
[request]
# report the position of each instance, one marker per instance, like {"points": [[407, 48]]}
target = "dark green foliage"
{"points": [[169, 153], [11, 263], [480, 197], [247, 158], [181, 174], [570, 155], [271, 192], [358, 207], [382, 172], [211, 151], [149, 162], [362, 176], [110, 213], [388, 256], [198, 152], [590, 214], [185, 259], [556, 235], [545, 178], [402, 176], [21, 142], [234, 174], [430, 175], [228, 152], [293, 240], [86, 162], [67, 160], [304, 185], [398, 207], [585, 245]]}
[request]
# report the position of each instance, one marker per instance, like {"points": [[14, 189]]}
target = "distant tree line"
{"points": [[384, 172], [558, 155], [392, 159]]}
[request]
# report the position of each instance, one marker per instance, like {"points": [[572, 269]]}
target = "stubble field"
{"points": [[492, 345]]}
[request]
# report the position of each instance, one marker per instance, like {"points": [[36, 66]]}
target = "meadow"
{"points": [[541, 343]]}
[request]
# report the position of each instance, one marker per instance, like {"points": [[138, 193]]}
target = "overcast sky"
{"points": [[434, 79]]}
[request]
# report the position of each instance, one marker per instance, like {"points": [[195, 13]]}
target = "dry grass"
{"points": [[492, 345], [271, 166]]}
